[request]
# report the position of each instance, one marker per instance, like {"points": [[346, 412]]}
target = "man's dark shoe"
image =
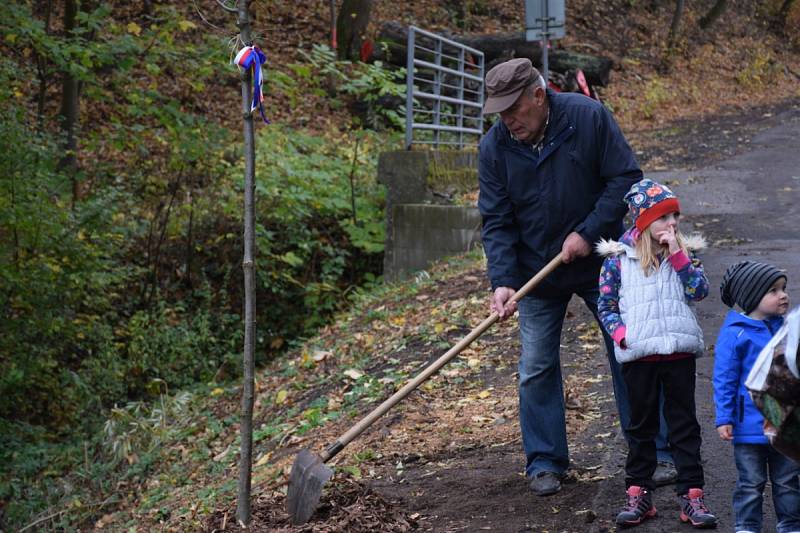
{"points": [[546, 483], [665, 474], [638, 508], [694, 510]]}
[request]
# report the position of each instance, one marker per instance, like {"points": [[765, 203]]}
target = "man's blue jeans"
{"points": [[541, 392], [754, 462]]}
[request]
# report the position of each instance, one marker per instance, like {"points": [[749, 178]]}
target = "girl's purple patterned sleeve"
{"points": [[608, 302], [690, 271]]}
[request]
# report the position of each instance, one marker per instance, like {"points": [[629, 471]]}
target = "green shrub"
{"points": [[760, 69], [371, 86], [655, 95], [134, 289]]}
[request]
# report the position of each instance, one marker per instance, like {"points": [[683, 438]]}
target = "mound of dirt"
{"points": [[349, 505]]}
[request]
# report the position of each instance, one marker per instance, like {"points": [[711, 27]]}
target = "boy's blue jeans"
{"points": [[755, 462], [541, 392]]}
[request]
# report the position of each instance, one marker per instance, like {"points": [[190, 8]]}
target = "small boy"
{"points": [[759, 290]]}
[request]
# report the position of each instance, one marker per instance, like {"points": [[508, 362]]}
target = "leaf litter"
{"points": [[352, 506], [467, 411]]}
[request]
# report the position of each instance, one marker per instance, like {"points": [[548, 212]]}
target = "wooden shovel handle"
{"points": [[379, 411]]}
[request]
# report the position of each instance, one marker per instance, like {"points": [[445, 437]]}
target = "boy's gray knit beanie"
{"points": [[745, 283]]}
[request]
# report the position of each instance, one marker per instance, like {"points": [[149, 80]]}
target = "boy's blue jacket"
{"points": [[530, 202], [738, 345]]}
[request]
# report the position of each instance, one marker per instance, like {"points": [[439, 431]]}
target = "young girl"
{"points": [[759, 290], [647, 284]]}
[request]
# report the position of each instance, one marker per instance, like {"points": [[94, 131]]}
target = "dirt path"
{"points": [[741, 190]]}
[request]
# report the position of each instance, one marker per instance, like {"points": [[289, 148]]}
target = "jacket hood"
{"points": [[626, 244]]}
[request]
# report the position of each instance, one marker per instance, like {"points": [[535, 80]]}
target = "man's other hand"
{"points": [[575, 247], [501, 304]]}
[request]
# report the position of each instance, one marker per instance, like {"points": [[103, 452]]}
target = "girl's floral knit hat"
{"points": [[648, 201]]}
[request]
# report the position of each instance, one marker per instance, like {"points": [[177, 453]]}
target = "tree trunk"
{"points": [[713, 14], [42, 71], [153, 249], [676, 22], [248, 266], [783, 12], [14, 231], [334, 40], [70, 106], [352, 181], [351, 26], [668, 54], [190, 237]]}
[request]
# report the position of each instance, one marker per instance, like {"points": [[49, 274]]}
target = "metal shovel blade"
{"points": [[306, 479]]}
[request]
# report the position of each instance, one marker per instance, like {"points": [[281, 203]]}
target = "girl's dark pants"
{"points": [[645, 379]]}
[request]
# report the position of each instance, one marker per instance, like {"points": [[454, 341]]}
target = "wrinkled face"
{"points": [[526, 117], [776, 301], [668, 222]]}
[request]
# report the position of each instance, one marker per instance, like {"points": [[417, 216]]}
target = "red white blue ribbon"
{"points": [[252, 57]]}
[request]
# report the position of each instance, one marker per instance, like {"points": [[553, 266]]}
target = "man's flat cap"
{"points": [[505, 82]]}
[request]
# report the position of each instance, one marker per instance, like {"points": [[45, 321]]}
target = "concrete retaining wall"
{"points": [[422, 225], [423, 233]]}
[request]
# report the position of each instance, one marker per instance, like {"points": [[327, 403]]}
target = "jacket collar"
{"points": [[627, 244], [771, 324], [558, 117]]}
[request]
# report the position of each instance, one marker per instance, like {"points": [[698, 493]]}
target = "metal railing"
{"points": [[444, 91]]}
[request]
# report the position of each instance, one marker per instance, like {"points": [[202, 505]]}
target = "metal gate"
{"points": [[444, 91]]}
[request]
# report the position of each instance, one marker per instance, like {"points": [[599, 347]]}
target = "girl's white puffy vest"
{"points": [[657, 316]]}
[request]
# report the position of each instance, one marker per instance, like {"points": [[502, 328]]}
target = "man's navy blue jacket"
{"points": [[531, 201]]}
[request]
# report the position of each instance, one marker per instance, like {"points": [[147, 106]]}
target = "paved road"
{"points": [[747, 206]]}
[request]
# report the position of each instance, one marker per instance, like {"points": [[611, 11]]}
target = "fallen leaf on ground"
{"points": [[264, 460], [353, 373], [281, 397], [321, 355]]}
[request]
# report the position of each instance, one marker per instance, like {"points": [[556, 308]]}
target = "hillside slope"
{"points": [[746, 57], [319, 391], [741, 60]]}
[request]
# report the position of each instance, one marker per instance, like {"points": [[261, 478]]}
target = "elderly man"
{"points": [[553, 171]]}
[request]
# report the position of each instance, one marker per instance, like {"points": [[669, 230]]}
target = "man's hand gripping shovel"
{"points": [[309, 472]]}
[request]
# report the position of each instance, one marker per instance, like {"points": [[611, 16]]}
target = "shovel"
{"points": [[309, 472]]}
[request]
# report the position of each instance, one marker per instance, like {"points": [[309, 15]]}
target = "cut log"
{"points": [[595, 68], [501, 46], [393, 36]]}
